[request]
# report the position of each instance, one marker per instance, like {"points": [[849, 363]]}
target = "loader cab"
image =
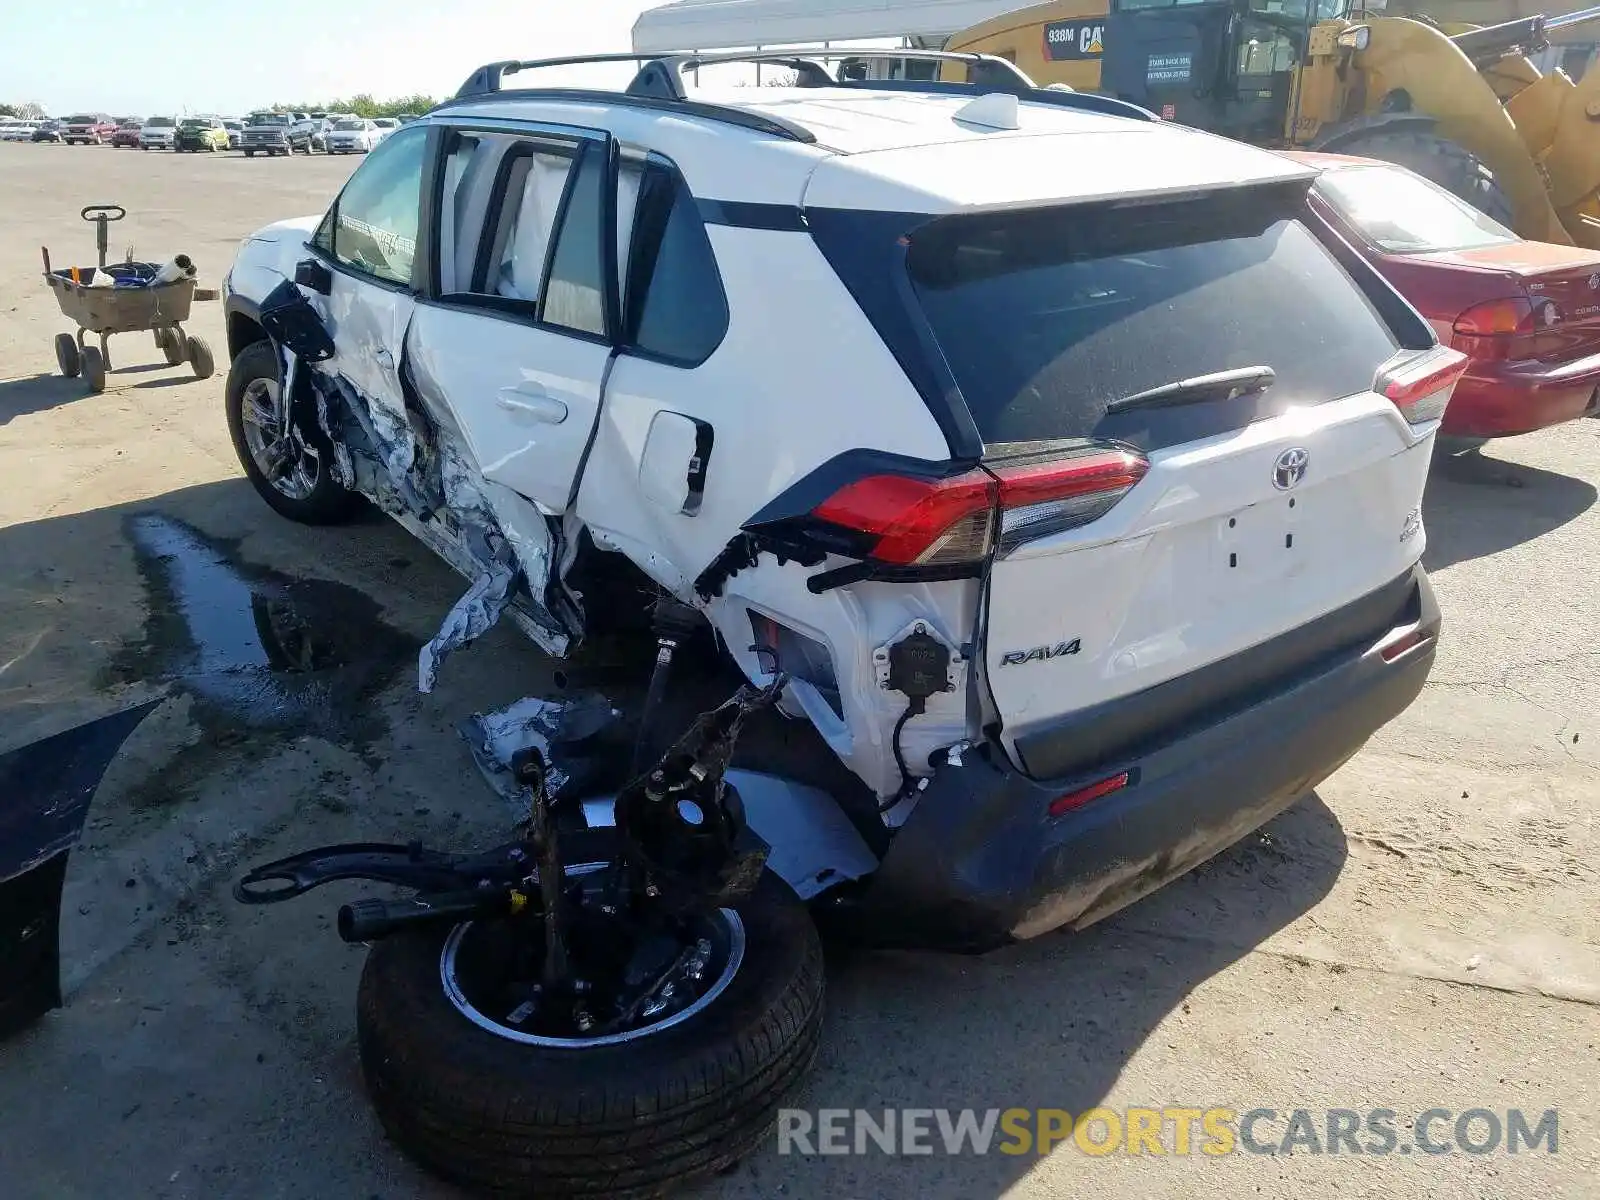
{"points": [[1227, 66]]}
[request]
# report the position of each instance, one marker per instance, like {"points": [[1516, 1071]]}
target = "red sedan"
{"points": [[1526, 314]]}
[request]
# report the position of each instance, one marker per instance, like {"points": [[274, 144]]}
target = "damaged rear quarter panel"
{"points": [[780, 403]]}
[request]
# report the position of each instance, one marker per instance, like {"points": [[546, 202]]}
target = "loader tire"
{"points": [[530, 1121], [1449, 164]]}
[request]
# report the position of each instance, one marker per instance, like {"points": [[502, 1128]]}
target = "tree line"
{"points": [[363, 105]]}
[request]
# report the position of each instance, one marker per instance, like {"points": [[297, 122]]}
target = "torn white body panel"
{"points": [[469, 619]]}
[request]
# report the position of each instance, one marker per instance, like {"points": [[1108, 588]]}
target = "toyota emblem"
{"points": [[1290, 468]]}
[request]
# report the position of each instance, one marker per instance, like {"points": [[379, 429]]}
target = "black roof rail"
{"points": [[725, 114], [660, 80]]}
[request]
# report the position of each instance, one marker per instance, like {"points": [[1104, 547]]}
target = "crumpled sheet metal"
{"points": [[469, 619], [494, 737]]}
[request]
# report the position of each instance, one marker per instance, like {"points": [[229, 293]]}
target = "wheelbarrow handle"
{"points": [[103, 212]]}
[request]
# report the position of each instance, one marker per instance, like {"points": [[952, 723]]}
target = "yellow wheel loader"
{"points": [[1461, 105]]}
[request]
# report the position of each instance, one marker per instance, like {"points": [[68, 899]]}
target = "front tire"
{"points": [[619, 1120], [301, 487]]}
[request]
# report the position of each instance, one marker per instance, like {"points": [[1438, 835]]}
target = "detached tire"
{"points": [[624, 1120], [1449, 164]]}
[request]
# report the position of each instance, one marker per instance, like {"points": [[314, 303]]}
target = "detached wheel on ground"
{"points": [[286, 460], [1449, 164], [67, 356], [514, 1115], [94, 368]]}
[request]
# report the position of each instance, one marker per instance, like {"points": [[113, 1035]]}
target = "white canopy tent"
{"points": [[717, 24]]}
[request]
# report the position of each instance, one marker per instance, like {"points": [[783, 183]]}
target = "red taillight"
{"points": [[1519, 314], [1420, 387], [1502, 330], [1073, 801], [922, 522], [1047, 497], [917, 521]]}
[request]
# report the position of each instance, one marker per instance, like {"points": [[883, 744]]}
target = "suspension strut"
{"points": [[673, 623]]}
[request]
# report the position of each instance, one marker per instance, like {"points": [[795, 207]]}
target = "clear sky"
{"points": [[143, 57]]}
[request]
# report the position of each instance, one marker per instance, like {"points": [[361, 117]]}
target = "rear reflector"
{"points": [[1405, 642], [922, 522], [1072, 801], [1420, 386]]}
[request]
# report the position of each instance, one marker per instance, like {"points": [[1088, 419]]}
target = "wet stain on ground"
{"points": [[260, 652]]}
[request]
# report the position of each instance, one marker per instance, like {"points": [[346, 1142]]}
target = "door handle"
{"points": [[532, 401]]}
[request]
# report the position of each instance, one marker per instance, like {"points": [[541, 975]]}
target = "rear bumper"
{"points": [[1500, 399], [981, 862]]}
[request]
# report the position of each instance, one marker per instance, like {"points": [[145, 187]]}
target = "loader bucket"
{"points": [[46, 788]]}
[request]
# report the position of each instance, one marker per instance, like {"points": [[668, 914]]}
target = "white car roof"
{"points": [[907, 151]]}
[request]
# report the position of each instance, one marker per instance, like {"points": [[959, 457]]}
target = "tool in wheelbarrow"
{"points": [[610, 937], [121, 298]]}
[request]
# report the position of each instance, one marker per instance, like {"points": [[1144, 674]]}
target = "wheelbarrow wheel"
{"points": [[199, 354], [67, 356], [94, 368], [172, 346]]}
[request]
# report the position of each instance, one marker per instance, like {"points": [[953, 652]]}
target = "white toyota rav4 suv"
{"points": [[1066, 465], [1041, 436]]}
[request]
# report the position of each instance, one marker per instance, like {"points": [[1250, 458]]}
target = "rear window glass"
{"points": [[349, 125], [1402, 213], [161, 123], [82, 119], [1046, 317]]}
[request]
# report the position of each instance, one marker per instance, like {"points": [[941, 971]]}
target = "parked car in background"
{"points": [[127, 133], [353, 135], [201, 133], [49, 130], [159, 133], [89, 129], [1526, 314], [275, 133], [406, 118], [13, 131], [235, 128], [385, 126]]}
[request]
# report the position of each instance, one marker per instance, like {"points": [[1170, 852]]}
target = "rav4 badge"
{"points": [[1015, 658]]}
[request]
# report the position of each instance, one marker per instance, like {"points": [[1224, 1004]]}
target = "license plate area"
{"points": [[1262, 542]]}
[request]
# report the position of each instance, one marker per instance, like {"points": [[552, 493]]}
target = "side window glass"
{"points": [[574, 297], [372, 227], [677, 308]]}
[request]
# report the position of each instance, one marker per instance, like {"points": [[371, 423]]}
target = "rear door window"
{"points": [[1046, 317]]}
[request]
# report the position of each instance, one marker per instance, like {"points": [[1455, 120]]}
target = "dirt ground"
{"points": [[1424, 932]]}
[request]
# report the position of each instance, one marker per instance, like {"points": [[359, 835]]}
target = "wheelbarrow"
{"points": [[132, 301]]}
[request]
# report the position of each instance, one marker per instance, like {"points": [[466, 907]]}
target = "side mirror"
{"points": [[309, 273]]}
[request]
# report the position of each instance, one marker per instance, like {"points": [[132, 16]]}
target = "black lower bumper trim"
{"points": [[981, 862]]}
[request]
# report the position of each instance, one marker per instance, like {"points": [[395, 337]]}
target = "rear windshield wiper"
{"points": [[1219, 385]]}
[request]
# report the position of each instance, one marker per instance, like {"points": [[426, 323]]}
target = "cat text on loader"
{"points": [[1466, 109]]}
